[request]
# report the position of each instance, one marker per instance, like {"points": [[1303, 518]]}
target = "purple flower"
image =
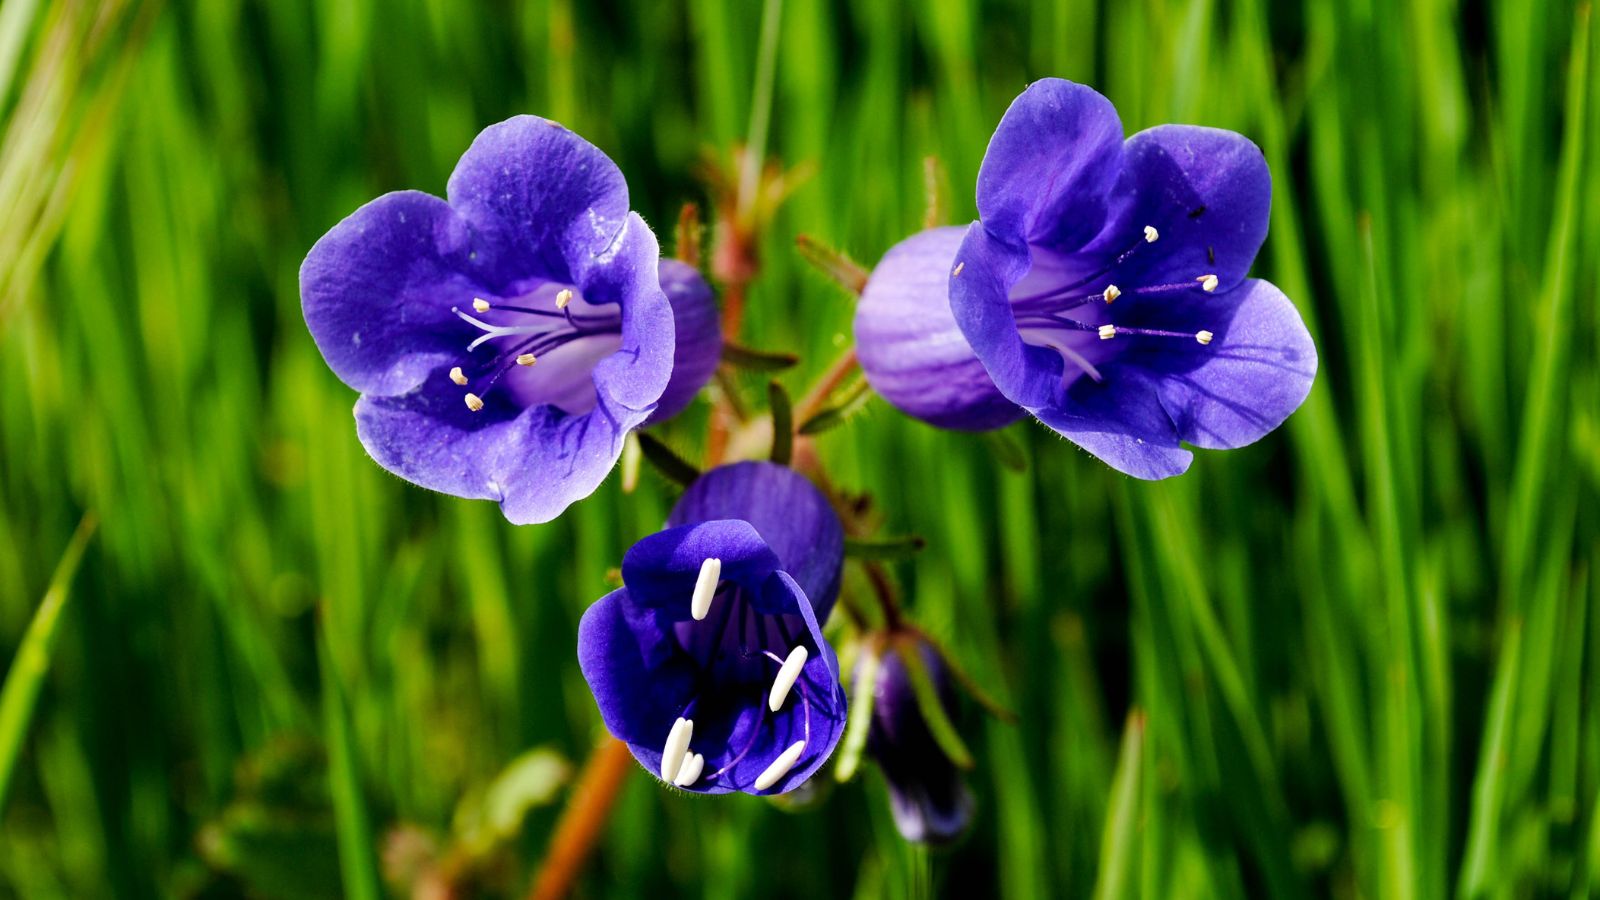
{"points": [[709, 663], [913, 353], [1103, 290], [505, 341], [927, 795]]}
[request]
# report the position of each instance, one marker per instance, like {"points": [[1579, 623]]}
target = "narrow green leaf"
{"points": [[933, 712], [859, 723], [890, 548], [840, 269], [1006, 451], [666, 461], [25, 679], [782, 423], [358, 865], [1118, 843], [854, 400], [756, 360]]}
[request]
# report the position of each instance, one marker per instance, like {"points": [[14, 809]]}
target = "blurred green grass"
{"points": [[1358, 659]]}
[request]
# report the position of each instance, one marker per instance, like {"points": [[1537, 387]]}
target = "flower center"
{"points": [[734, 648], [550, 324], [1072, 313]]}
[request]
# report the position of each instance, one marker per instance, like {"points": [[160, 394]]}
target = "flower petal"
{"points": [[661, 569], [911, 349], [637, 682], [699, 336], [1257, 369], [377, 290], [535, 461], [1120, 419], [543, 194], [1049, 166], [625, 272], [1206, 191], [1028, 375], [787, 510]]}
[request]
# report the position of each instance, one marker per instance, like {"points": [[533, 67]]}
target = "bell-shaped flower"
{"points": [[506, 339], [709, 662], [927, 794]]}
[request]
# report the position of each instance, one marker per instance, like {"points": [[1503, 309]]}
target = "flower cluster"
{"points": [[507, 339]]}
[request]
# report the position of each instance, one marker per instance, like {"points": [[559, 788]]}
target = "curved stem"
{"points": [[584, 818]]}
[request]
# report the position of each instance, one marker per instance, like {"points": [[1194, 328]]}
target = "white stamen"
{"points": [[526, 359], [786, 678], [474, 402], [959, 266], [705, 587], [1150, 234], [1204, 337], [677, 746], [1112, 293], [1107, 332], [693, 764], [780, 766], [480, 304], [458, 376], [563, 297], [1208, 283]]}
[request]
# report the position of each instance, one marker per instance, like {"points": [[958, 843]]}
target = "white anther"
{"points": [[959, 266], [480, 304], [563, 297], [1107, 332], [474, 402], [527, 359], [1208, 283], [689, 773], [458, 376], [705, 587], [1150, 234], [1112, 293], [677, 746], [786, 678], [780, 766], [1204, 337]]}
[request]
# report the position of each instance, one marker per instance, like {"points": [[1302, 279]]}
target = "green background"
{"points": [[1358, 658]]}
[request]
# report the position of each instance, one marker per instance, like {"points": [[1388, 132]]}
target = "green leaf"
{"points": [[933, 712], [855, 399], [782, 423], [1006, 450], [840, 269], [859, 723], [25, 679], [890, 548], [743, 357], [666, 461]]}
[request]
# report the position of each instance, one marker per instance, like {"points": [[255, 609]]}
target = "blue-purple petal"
{"points": [[699, 336], [1257, 370], [543, 195], [1028, 375], [377, 289], [788, 511], [911, 350], [1050, 165], [1206, 191]]}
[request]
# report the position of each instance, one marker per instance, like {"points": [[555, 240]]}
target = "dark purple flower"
{"points": [[928, 796], [505, 341], [913, 353], [1104, 287], [709, 663]]}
